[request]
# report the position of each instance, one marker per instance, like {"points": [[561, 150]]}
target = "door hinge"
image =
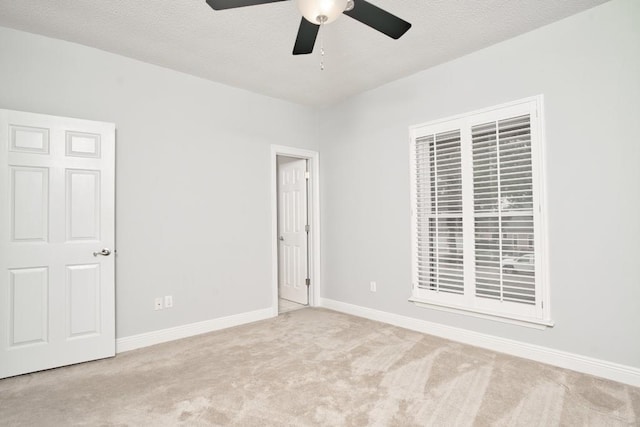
{"points": [[542, 304], [307, 228], [306, 175], [307, 282]]}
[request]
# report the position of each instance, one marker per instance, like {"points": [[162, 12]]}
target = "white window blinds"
{"points": [[476, 217], [439, 201], [503, 210]]}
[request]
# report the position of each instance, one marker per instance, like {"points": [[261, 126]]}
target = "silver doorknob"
{"points": [[281, 238], [103, 252]]}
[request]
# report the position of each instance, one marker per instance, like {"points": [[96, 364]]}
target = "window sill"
{"points": [[529, 323]]}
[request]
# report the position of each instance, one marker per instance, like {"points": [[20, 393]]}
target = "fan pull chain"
{"points": [[321, 45]]}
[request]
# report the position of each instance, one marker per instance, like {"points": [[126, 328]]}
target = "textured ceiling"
{"points": [[251, 47]]}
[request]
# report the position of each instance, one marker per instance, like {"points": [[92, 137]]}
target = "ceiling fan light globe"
{"points": [[321, 11]]}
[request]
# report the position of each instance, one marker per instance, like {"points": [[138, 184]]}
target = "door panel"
{"points": [[30, 203], [57, 304], [83, 204], [83, 290], [28, 298], [292, 218], [83, 144], [29, 139]]}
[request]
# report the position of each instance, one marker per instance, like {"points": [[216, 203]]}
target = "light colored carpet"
{"points": [[285, 305], [315, 367]]}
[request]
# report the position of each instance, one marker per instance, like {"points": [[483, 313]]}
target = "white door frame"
{"points": [[314, 218]]}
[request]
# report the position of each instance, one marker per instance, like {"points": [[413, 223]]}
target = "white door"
{"points": [[292, 219], [57, 192]]}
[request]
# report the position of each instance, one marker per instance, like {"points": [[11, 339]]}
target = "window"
{"points": [[477, 226]]}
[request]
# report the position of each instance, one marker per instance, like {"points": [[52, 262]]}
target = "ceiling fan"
{"points": [[319, 12]]}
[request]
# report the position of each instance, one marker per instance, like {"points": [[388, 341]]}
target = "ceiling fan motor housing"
{"points": [[322, 11]]}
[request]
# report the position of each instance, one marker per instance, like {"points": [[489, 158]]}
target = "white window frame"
{"points": [[537, 315]]}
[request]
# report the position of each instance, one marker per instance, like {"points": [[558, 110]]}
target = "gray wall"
{"points": [[588, 68], [193, 198]]}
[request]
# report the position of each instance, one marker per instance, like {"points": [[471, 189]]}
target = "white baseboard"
{"points": [[164, 335], [575, 362]]}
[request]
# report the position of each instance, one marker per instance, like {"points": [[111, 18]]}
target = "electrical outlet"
{"points": [[158, 304], [372, 286], [168, 301]]}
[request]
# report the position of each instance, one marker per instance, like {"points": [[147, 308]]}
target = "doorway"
{"points": [[295, 228], [293, 233]]}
